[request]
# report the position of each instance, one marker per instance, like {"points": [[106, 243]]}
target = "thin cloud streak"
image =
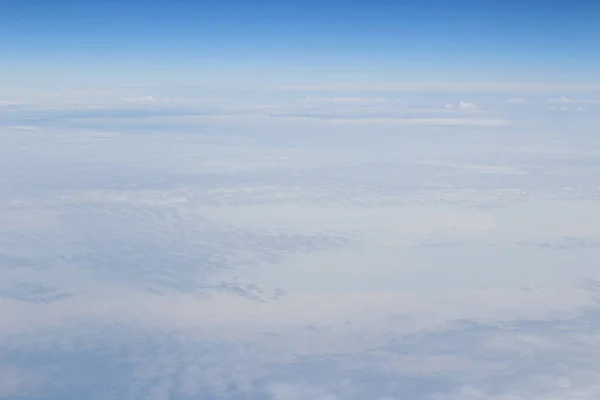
{"points": [[453, 87]]}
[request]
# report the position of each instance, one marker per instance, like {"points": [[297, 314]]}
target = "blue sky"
{"points": [[151, 41]]}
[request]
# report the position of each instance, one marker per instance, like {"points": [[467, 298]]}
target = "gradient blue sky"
{"points": [[159, 41]]}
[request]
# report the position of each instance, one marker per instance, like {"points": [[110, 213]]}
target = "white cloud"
{"points": [[516, 100], [300, 258], [347, 100], [411, 121], [454, 87], [285, 391], [571, 105], [10, 103], [27, 219], [148, 99], [26, 128], [374, 314], [566, 100], [462, 105]]}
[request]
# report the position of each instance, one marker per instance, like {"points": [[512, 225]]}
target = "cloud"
{"points": [[150, 100], [567, 108], [462, 105], [230, 316], [5, 103], [348, 100], [26, 128], [361, 350], [15, 382], [428, 121], [139, 111], [516, 100], [569, 104], [27, 219], [398, 120], [567, 100], [279, 258], [285, 391], [565, 243], [454, 87]]}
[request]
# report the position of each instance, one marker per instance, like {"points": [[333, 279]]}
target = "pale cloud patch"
{"points": [[11, 103], [348, 100], [286, 391], [15, 382], [27, 219], [232, 317], [369, 334], [516, 100], [567, 100], [462, 105], [26, 128], [454, 87], [149, 99], [417, 121], [567, 108]]}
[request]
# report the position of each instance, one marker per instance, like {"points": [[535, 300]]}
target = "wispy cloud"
{"points": [[566, 100], [455, 87], [16, 382], [348, 100], [401, 121], [4, 103], [566, 108], [516, 100], [462, 105], [153, 100]]}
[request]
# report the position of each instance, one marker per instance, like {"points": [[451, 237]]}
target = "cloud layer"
{"points": [[330, 246]]}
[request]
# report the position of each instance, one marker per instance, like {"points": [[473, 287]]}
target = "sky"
{"points": [[299, 201], [209, 42]]}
